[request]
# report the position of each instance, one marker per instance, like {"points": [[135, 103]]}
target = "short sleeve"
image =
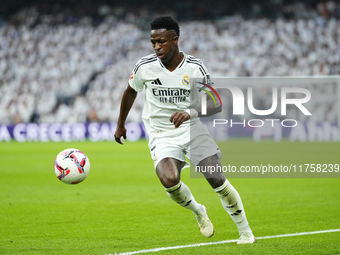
{"points": [[206, 76], [204, 82], [136, 81]]}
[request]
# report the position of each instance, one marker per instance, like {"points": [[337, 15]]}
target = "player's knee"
{"points": [[168, 172], [169, 180], [216, 182]]}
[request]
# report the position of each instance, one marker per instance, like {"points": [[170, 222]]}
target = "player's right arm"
{"points": [[128, 99]]}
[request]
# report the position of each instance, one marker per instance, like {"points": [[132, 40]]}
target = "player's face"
{"points": [[164, 44]]}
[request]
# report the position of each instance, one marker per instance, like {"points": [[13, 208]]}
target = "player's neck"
{"points": [[176, 60]]}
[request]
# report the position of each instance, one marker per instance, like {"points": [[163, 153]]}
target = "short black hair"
{"points": [[165, 22]]}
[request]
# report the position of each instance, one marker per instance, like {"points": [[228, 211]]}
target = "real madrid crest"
{"points": [[186, 80]]}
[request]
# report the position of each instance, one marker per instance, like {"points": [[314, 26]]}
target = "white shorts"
{"points": [[194, 142]]}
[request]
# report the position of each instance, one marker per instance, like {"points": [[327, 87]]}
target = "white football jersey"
{"points": [[168, 92]]}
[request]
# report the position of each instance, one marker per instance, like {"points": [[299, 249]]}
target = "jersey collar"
{"points": [[180, 64]]}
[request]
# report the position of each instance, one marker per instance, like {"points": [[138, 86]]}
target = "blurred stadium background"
{"points": [[69, 61], [64, 66]]}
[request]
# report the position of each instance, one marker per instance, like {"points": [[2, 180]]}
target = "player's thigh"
{"points": [[165, 147], [205, 153], [202, 146], [169, 159]]}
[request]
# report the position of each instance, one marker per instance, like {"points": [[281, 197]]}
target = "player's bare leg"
{"points": [[230, 199], [168, 171]]}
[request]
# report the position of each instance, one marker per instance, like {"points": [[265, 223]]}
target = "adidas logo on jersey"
{"points": [[157, 82]]}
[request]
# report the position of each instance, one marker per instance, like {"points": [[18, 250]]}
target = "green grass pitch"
{"points": [[122, 207]]}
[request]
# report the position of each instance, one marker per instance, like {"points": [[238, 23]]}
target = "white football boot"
{"points": [[204, 223], [246, 238]]}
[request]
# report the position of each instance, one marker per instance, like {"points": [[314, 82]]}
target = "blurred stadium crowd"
{"points": [[72, 64]]}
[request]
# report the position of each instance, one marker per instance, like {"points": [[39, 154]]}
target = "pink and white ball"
{"points": [[71, 166]]}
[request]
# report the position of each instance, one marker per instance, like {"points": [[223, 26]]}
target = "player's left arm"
{"points": [[213, 103], [213, 106]]}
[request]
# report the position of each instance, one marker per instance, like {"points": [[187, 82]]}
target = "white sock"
{"points": [[180, 193], [232, 203]]}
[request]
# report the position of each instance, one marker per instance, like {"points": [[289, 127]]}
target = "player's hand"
{"points": [[178, 118], [120, 132]]}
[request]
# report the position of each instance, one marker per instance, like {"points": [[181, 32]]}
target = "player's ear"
{"points": [[175, 39]]}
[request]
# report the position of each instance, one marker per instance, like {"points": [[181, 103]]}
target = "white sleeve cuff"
{"points": [[192, 113]]}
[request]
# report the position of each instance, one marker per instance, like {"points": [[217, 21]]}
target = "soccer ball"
{"points": [[71, 166]]}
